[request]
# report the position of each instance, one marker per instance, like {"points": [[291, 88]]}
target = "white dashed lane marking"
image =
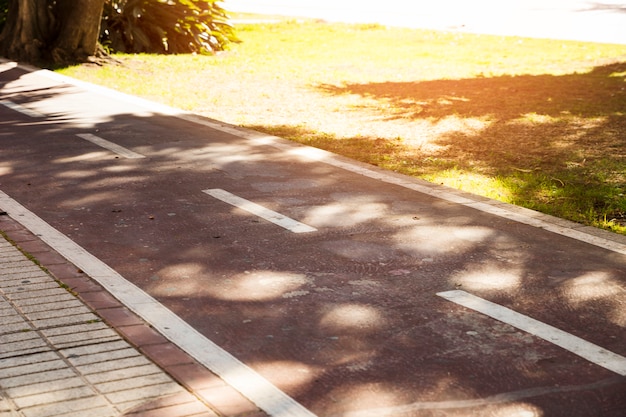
{"points": [[21, 109], [589, 351], [260, 211], [103, 143]]}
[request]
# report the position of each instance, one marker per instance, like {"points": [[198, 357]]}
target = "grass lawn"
{"points": [[537, 123]]}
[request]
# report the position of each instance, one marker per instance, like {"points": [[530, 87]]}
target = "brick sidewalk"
{"points": [[67, 348]]}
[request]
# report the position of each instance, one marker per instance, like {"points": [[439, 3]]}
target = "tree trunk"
{"points": [[57, 32], [79, 29]]}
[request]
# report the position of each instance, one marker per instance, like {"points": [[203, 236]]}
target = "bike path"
{"points": [[328, 284]]}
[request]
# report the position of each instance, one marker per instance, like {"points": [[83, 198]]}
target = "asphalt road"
{"points": [[342, 295], [594, 21]]}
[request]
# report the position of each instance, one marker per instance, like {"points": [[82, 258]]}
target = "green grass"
{"points": [[537, 123]]}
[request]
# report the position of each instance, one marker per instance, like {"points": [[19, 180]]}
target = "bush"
{"points": [[165, 26], [4, 9]]}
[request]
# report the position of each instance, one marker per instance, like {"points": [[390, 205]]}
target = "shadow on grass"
{"points": [[551, 143]]}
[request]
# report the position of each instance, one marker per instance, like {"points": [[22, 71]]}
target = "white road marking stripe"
{"points": [[589, 351], [260, 211], [113, 147], [21, 109], [250, 384]]}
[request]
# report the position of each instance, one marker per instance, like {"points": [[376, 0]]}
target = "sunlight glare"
{"points": [[351, 317], [260, 285], [487, 278], [344, 214], [291, 374], [422, 240], [593, 286], [519, 410]]}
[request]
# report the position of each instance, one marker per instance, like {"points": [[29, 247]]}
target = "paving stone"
{"points": [[142, 335], [34, 368], [102, 357], [61, 395], [21, 275], [44, 387], [167, 354], [6, 409], [94, 348], [196, 376], [39, 295], [28, 360], [65, 407], [119, 316], [126, 363], [58, 313], [51, 306], [131, 383], [60, 297], [83, 339], [23, 347], [11, 317], [140, 394], [76, 329], [17, 337], [49, 376], [25, 265], [100, 299], [119, 374], [192, 409], [22, 326], [78, 284], [105, 411], [66, 320], [80, 335], [10, 257], [29, 287], [228, 401], [35, 279]]}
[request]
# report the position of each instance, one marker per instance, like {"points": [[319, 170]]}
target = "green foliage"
{"points": [[165, 26], [4, 9]]}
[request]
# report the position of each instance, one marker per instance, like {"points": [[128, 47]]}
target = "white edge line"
{"points": [[21, 109], [250, 384], [492, 207], [589, 351], [113, 147], [260, 211]]}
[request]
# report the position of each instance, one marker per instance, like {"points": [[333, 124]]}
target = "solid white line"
{"points": [[21, 109], [260, 211], [589, 351], [113, 147], [250, 384]]}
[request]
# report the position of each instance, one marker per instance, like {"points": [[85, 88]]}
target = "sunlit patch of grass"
{"points": [[537, 123]]}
